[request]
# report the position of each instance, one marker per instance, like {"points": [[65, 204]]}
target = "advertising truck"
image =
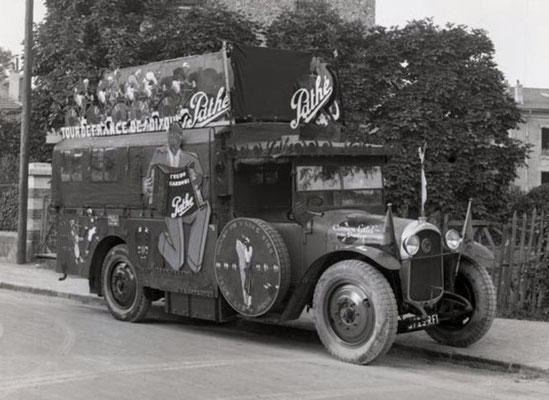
{"points": [[223, 184]]}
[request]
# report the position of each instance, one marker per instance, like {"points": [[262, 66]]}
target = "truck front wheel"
{"points": [[474, 283], [355, 312], [122, 288]]}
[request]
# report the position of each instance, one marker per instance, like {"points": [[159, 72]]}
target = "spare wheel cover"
{"points": [[252, 266]]}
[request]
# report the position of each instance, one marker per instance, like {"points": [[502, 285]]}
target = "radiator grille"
{"points": [[426, 278]]}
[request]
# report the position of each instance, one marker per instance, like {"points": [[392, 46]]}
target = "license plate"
{"points": [[423, 322]]}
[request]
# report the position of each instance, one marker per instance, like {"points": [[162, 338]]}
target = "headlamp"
{"points": [[453, 239], [411, 245]]}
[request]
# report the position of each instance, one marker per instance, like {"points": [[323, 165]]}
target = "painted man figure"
{"points": [[185, 237]]}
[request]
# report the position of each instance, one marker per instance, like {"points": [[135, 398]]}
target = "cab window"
{"points": [[325, 186]]}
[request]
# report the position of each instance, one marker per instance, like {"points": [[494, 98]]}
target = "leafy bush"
{"points": [[538, 197], [9, 204], [9, 169], [10, 129]]}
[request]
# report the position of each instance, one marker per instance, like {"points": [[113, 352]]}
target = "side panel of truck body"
{"points": [[97, 185]]}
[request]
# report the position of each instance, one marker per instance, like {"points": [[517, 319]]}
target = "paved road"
{"points": [[60, 349]]}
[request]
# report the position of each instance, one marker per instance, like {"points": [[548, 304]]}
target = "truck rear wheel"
{"points": [[124, 294], [474, 283], [355, 312]]}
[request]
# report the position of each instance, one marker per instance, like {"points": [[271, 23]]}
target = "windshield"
{"points": [[335, 186]]}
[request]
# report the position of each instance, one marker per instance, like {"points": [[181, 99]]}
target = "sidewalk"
{"points": [[33, 278], [511, 344]]}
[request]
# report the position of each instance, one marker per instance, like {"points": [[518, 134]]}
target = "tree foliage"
{"points": [[403, 88], [82, 39], [9, 135], [525, 202], [9, 208], [421, 84]]}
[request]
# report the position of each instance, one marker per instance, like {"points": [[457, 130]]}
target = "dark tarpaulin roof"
{"points": [[265, 81]]}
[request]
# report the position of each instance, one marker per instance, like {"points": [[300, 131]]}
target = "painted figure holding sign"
{"points": [[173, 183]]}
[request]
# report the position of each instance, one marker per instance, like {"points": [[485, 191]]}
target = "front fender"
{"points": [[303, 291], [481, 255], [381, 258]]}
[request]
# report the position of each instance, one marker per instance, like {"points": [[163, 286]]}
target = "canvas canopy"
{"points": [[266, 85]]}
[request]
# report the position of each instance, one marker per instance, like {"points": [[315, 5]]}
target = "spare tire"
{"points": [[252, 266]]}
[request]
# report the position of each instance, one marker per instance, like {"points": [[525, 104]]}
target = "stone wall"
{"points": [[39, 195], [39, 192], [263, 11], [363, 10], [8, 247], [267, 10]]}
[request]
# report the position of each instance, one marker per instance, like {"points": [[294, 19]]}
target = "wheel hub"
{"points": [[123, 285], [348, 314], [351, 317], [120, 283]]}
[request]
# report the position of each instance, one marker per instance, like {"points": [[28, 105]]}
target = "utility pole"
{"points": [[25, 130]]}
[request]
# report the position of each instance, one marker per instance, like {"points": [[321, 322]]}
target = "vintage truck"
{"points": [[220, 183]]}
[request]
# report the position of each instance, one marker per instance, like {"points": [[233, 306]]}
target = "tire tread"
{"points": [[142, 305], [386, 299]]}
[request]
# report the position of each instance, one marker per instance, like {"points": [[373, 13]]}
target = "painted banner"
{"points": [[270, 85], [283, 86], [149, 98]]}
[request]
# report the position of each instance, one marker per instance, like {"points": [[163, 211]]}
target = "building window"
{"points": [[544, 178], [545, 141]]}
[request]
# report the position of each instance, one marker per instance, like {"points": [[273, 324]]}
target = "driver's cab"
{"points": [[263, 189], [270, 189]]}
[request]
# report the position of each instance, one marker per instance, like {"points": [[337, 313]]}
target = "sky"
{"points": [[12, 22], [518, 28]]}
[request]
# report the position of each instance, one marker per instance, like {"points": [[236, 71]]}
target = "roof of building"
{"points": [[535, 98], [530, 98]]}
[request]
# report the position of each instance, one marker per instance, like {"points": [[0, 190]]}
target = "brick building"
{"points": [[266, 10], [534, 107]]}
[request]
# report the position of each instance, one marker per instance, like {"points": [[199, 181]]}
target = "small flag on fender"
{"points": [[467, 235], [389, 233]]}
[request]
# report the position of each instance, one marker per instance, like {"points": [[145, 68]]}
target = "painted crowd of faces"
{"points": [[160, 89]]}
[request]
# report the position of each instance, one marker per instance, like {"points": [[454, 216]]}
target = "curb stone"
{"points": [[91, 299], [453, 356]]}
